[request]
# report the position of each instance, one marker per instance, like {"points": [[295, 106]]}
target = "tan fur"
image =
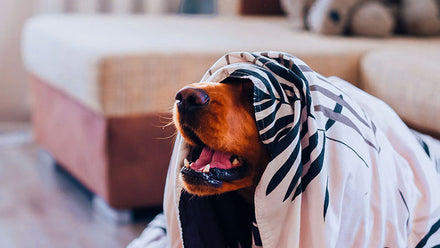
{"points": [[227, 124]]}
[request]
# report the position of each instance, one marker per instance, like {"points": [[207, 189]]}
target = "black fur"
{"points": [[215, 221]]}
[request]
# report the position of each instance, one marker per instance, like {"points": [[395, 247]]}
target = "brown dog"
{"points": [[217, 121]]}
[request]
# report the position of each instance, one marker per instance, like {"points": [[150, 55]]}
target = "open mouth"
{"points": [[210, 167]]}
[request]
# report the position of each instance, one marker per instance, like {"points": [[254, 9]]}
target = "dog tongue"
{"points": [[214, 158]]}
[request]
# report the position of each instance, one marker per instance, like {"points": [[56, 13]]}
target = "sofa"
{"points": [[103, 86]]}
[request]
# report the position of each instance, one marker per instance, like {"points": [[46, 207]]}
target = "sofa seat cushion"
{"points": [[129, 65], [408, 79]]}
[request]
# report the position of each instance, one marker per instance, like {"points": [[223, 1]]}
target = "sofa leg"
{"points": [[47, 159], [101, 207]]}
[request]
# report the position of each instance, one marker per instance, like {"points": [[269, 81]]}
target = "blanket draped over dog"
{"points": [[344, 170]]}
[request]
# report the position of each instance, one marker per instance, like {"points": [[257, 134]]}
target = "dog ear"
{"points": [[247, 94], [246, 87]]}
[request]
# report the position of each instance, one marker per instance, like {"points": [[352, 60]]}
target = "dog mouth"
{"points": [[210, 167]]}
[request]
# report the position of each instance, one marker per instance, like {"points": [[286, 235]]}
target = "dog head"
{"points": [[218, 123]]}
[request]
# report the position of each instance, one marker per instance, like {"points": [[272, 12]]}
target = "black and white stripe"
{"points": [[285, 114]]}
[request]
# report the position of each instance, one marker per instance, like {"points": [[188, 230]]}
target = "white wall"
{"points": [[14, 94]]}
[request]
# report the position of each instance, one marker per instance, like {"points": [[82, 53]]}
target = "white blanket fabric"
{"points": [[345, 171], [154, 235]]}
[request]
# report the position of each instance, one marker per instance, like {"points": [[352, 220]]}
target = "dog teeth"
{"points": [[235, 162], [206, 168], [186, 163]]}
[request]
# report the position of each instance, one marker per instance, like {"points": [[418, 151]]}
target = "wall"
{"points": [[14, 94]]}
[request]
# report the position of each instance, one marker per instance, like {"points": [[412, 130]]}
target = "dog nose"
{"points": [[190, 99]]}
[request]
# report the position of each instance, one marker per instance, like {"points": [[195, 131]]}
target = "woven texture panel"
{"points": [[133, 85], [130, 65], [408, 80]]}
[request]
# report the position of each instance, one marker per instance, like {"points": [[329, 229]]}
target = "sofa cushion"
{"points": [[127, 65], [408, 79]]}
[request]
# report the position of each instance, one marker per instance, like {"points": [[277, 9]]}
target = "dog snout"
{"points": [[190, 99]]}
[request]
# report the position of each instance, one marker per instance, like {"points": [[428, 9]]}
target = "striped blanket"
{"points": [[345, 171]]}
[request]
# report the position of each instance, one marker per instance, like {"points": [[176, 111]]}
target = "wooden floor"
{"points": [[42, 206]]}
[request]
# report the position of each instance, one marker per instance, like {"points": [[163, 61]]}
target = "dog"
{"points": [[308, 156], [217, 120]]}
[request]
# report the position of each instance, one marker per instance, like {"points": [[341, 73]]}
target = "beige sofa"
{"points": [[100, 83]]}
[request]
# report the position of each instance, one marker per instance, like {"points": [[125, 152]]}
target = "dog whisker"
{"points": [[166, 124], [173, 135]]}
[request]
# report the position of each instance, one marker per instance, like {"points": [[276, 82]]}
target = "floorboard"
{"points": [[43, 206]]}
